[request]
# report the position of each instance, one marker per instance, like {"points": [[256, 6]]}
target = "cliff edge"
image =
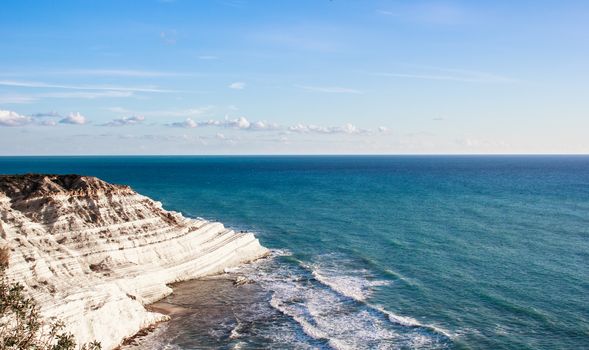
{"points": [[93, 253]]}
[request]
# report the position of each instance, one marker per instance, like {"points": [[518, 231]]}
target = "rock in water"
{"points": [[93, 254]]}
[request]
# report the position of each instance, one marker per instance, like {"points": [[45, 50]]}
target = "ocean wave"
{"points": [[358, 287], [280, 252], [355, 287], [318, 321], [399, 276], [329, 303], [235, 330], [274, 253], [351, 282], [411, 322]]}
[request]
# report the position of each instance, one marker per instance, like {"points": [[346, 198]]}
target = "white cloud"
{"points": [[471, 142], [449, 74], [134, 120], [330, 89], [233, 3], [301, 128], [383, 129], [16, 99], [439, 13], [312, 128], [386, 13], [350, 129], [117, 109], [210, 122], [436, 13], [103, 72], [86, 94], [30, 98], [463, 78], [74, 118], [10, 118], [262, 125], [241, 123], [51, 114], [48, 122], [169, 36], [301, 37], [190, 112], [208, 57], [188, 123], [34, 84], [117, 73], [238, 85]]}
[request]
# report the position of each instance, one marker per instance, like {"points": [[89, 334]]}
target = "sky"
{"points": [[293, 77]]}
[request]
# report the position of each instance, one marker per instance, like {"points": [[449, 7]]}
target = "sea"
{"points": [[373, 252]]}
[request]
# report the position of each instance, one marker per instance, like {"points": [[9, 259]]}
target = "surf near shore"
{"points": [[280, 301]]}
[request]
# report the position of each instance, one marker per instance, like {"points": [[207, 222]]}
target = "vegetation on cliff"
{"points": [[21, 327]]}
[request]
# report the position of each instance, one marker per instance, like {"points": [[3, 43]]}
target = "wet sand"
{"points": [[210, 312]]}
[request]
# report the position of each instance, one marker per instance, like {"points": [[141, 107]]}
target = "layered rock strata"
{"points": [[93, 254]]}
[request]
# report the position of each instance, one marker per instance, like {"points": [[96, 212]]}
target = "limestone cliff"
{"points": [[93, 253]]}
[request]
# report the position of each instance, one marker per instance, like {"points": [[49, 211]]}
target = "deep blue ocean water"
{"points": [[457, 252]]}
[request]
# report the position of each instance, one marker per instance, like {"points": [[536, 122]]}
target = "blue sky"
{"points": [[290, 77]]}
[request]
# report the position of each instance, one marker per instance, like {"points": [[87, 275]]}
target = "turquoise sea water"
{"points": [[456, 252]]}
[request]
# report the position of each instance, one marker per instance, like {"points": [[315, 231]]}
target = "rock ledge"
{"points": [[94, 254]]}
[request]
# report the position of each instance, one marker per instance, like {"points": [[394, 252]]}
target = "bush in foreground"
{"points": [[21, 327]]}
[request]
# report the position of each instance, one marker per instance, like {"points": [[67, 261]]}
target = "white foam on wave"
{"points": [[235, 331], [359, 288], [353, 283], [280, 252], [358, 285], [318, 315], [401, 277], [355, 287], [232, 269], [330, 305], [308, 328], [411, 322], [238, 345]]}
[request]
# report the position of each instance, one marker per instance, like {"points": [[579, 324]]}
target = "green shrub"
{"points": [[21, 327]]}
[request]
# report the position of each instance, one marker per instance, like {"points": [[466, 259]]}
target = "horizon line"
{"points": [[298, 155]]}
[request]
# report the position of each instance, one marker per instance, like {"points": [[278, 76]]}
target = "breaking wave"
{"points": [[328, 300]]}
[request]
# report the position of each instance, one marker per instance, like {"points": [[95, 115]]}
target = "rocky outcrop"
{"points": [[93, 254]]}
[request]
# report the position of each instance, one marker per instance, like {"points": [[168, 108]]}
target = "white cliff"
{"points": [[94, 254]]}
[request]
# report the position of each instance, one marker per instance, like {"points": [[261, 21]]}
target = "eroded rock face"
{"points": [[93, 253]]}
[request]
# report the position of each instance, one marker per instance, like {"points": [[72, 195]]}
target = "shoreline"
{"points": [[169, 310], [95, 254]]}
